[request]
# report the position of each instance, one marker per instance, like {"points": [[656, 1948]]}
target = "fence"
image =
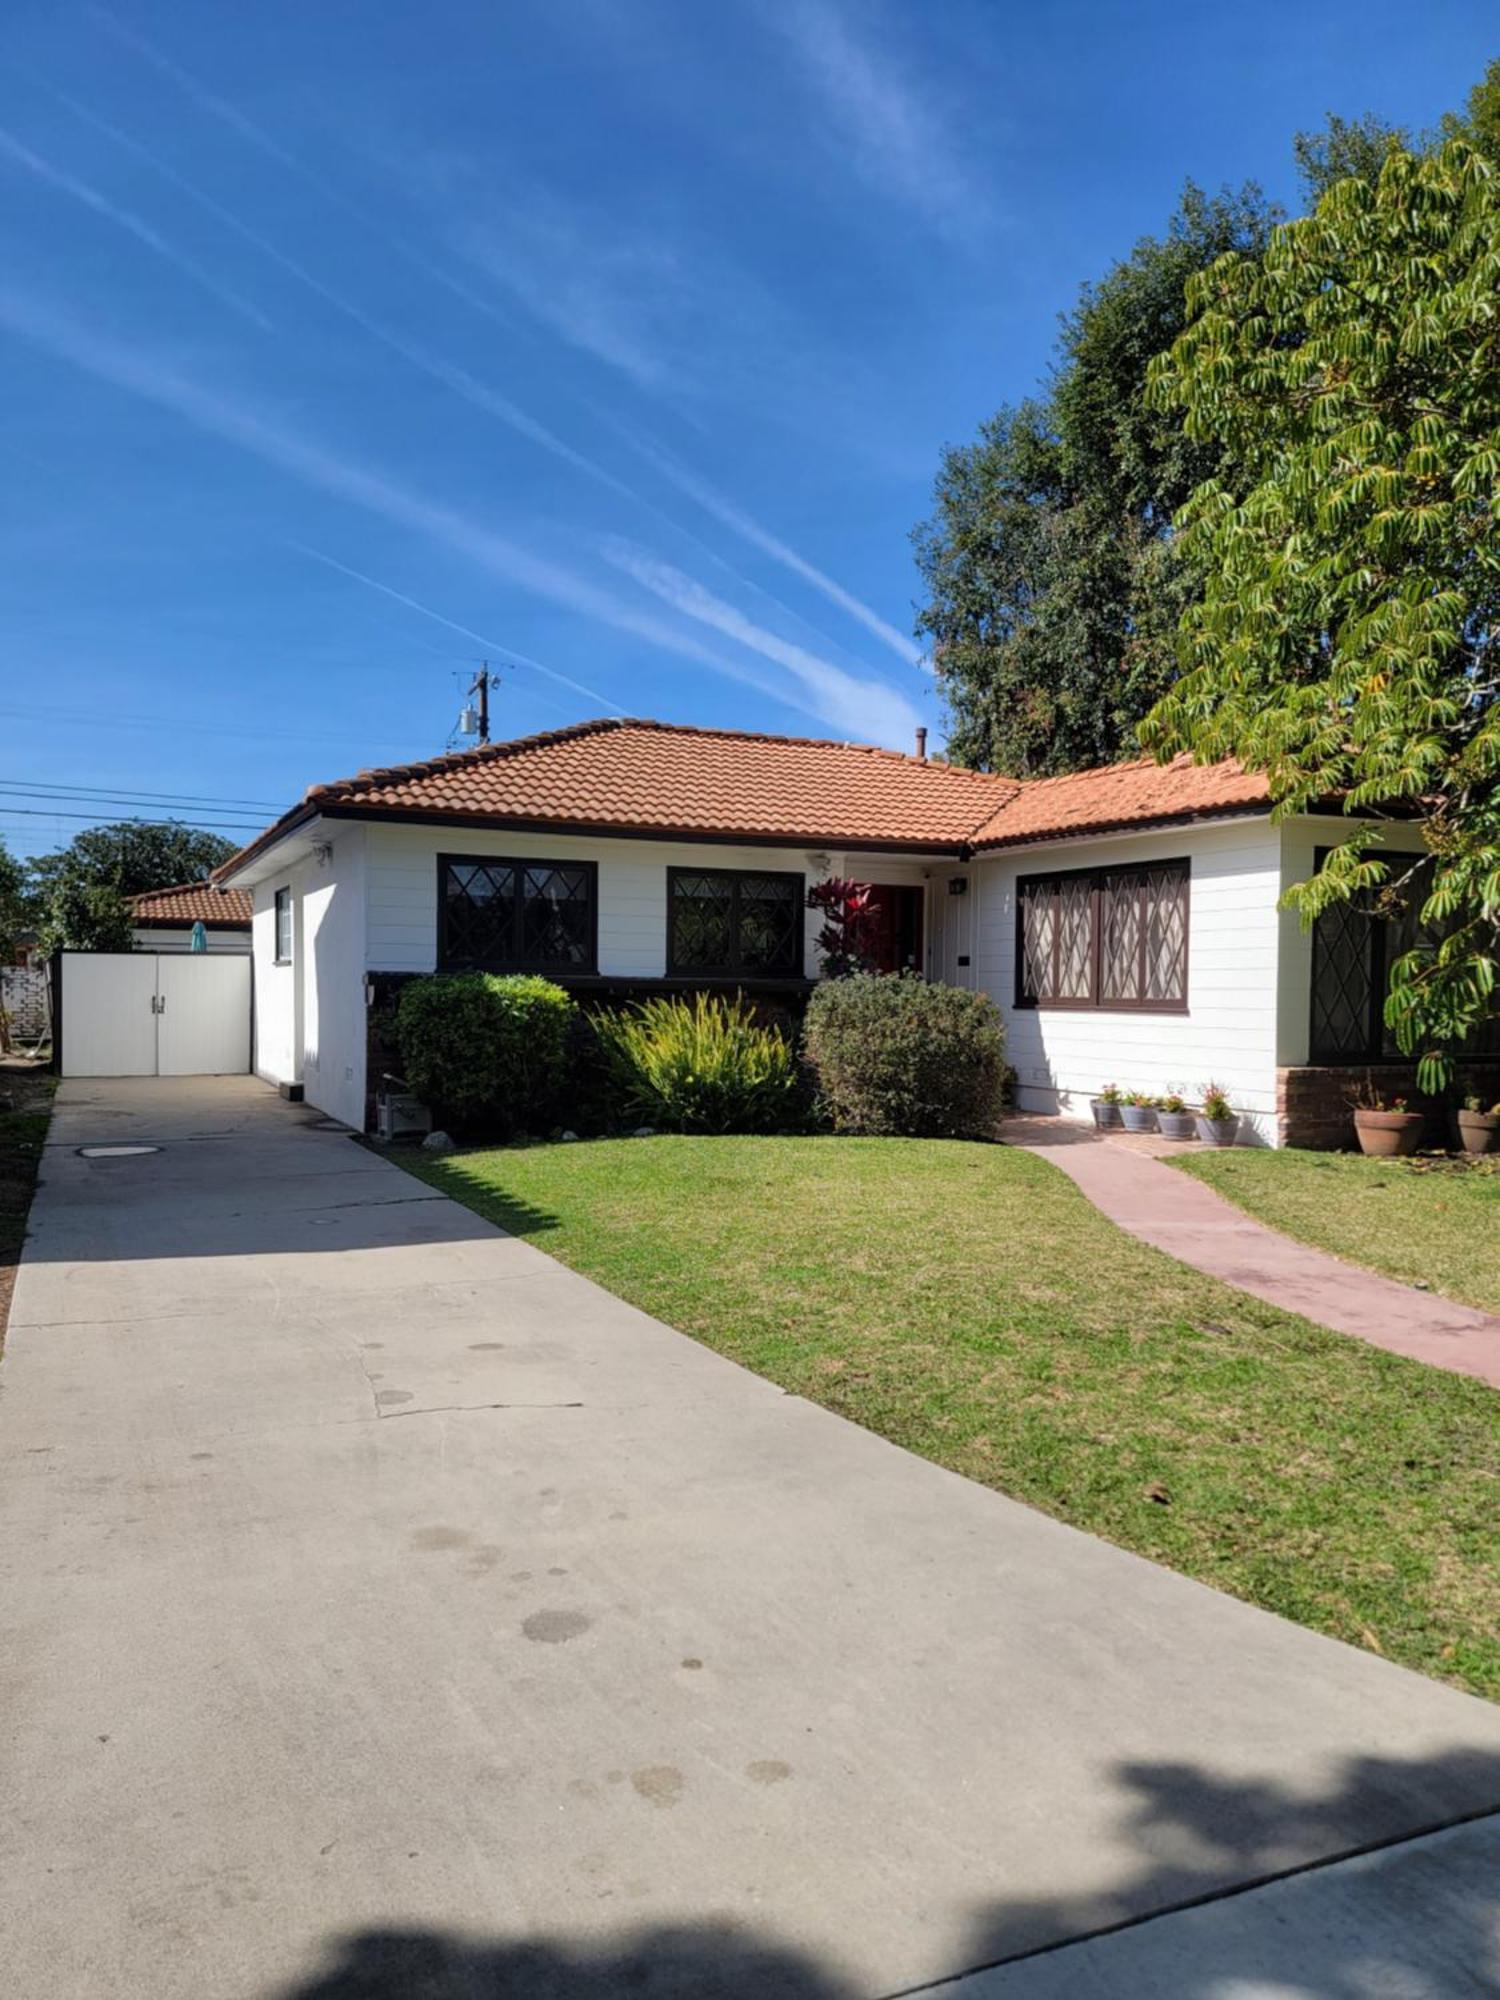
{"points": [[25, 997]]}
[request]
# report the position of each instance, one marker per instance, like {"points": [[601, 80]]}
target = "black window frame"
{"points": [[282, 901], [1179, 866], [737, 969], [1379, 1044], [518, 961]]}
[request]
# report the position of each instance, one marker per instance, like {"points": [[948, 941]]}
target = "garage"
{"points": [[146, 1013]]}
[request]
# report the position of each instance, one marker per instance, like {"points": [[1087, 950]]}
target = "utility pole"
{"points": [[483, 681]]}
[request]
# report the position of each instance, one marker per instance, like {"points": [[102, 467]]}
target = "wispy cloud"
{"points": [[758, 536], [253, 134], [63, 182], [492, 646], [893, 130], [817, 689], [864, 708]]}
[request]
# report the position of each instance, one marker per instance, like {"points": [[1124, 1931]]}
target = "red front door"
{"points": [[896, 940]]}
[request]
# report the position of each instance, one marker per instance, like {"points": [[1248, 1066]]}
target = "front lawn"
{"points": [[967, 1302], [1432, 1222]]}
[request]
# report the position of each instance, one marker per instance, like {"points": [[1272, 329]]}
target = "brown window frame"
{"points": [[737, 969], [1179, 867], [517, 961]]}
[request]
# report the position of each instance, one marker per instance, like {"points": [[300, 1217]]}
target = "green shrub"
{"points": [[701, 1065], [486, 1054], [896, 1055]]}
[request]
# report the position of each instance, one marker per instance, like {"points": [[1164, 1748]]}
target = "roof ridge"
{"points": [[456, 760]]}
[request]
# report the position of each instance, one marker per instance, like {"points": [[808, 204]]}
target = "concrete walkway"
{"points": [[388, 1614], [1125, 1179]]}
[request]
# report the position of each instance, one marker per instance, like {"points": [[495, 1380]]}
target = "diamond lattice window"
{"points": [[1111, 937], [725, 921], [516, 916]]}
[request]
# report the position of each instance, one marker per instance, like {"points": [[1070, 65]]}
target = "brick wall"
{"points": [[1313, 1104]]}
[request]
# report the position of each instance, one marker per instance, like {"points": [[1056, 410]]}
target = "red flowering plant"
{"points": [[847, 939]]}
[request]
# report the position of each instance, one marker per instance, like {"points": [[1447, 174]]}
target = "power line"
{"points": [[110, 819], [127, 796]]}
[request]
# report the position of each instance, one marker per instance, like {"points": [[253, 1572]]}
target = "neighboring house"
{"points": [[1126, 919], [163, 919]]}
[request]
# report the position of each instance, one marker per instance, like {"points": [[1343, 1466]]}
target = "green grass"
{"points": [[965, 1301], [1429, 1222]]}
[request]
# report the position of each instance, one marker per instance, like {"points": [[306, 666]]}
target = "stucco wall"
{"points": [[278, 1039], [1228, 1035]]}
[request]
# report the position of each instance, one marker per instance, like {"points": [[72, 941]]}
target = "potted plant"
{"points": [[1218, 1124], [1173, 1119], [1387, 1131], [1106, 1107], [1138, 1112], [1478, 1128]]}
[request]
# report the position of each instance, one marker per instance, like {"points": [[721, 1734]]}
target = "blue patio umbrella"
{"points": [[199, 939]]}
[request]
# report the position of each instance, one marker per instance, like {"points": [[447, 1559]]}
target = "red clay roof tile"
{"points": [[193, 902], [627, 776]]}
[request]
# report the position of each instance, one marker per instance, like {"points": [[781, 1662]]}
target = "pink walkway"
{"points": [[1189, 1221]]}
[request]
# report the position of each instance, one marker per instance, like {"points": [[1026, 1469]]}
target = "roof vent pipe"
{"points": [[922, 742]]}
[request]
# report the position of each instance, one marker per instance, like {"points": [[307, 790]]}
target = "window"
{"points": [[1352, 953], [723, 921], [283, 926], [516, 916], [1113, 938]]}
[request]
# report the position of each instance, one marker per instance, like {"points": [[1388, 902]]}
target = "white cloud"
{"points": [[745, 525], [893, 130], [865, 709]]}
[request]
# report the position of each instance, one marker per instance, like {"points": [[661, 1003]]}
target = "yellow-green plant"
{"points": [[701, 1064]]}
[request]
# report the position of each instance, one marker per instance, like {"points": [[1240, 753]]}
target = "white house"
{"points": [[1127, 920], [163, 919]]}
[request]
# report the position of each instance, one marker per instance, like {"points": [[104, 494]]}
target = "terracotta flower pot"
{"points": [[1176, 1124], [1106, 1116], [1388, 1135], [1218, 1131], [1138, 1117], [1479, 1131]]}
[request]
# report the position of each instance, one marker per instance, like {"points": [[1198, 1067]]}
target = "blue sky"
{"points": [[614, 339]]}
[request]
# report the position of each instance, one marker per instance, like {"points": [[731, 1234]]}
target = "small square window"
{"points": [[283, 926]]}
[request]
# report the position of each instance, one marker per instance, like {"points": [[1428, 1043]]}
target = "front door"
{"points": [[896, 939]]}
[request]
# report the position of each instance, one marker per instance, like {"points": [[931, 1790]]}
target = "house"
{"points": [[1126, 919], [163, 919]]}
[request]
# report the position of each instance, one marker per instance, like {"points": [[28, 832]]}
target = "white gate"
{"points": [[143, 1013]]}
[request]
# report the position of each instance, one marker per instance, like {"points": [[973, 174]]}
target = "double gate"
{"points": [[146, 1013]]}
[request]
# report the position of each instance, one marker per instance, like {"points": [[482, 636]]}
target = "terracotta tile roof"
{"points": [[192, 902], [663, 778], [1122, 795], [627, 777]]}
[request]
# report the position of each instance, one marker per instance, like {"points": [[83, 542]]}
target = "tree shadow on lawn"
{"points": [[1427, 1927]]}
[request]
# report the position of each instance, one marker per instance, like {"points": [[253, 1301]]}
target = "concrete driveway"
{"points": [[388, 1612]]}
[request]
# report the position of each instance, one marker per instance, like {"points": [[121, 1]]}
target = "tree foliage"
{"points": [[83, 890], [1345, 640], [17, 905], [1053, 584]]}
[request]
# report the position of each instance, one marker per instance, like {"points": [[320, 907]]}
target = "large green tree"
{"points": [[1053, 585], [1347, 638], [82, 890]]}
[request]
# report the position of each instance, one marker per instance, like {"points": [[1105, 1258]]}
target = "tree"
{"points": [[17, 906], [1344, 146], [83, 889], [1347, 639], [1053, 583]]}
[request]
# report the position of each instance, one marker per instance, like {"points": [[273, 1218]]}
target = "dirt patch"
{"points": [[25, 1105]]}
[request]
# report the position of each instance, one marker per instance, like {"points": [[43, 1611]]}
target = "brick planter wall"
{"points": [[1313, 1108]]}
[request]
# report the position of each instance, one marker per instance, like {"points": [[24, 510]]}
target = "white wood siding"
{"points": [[1063, 1056], [402, 888], [331, 943]]}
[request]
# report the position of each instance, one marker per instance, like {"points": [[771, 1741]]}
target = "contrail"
{"points": [[80, 191], [468, 632]]}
